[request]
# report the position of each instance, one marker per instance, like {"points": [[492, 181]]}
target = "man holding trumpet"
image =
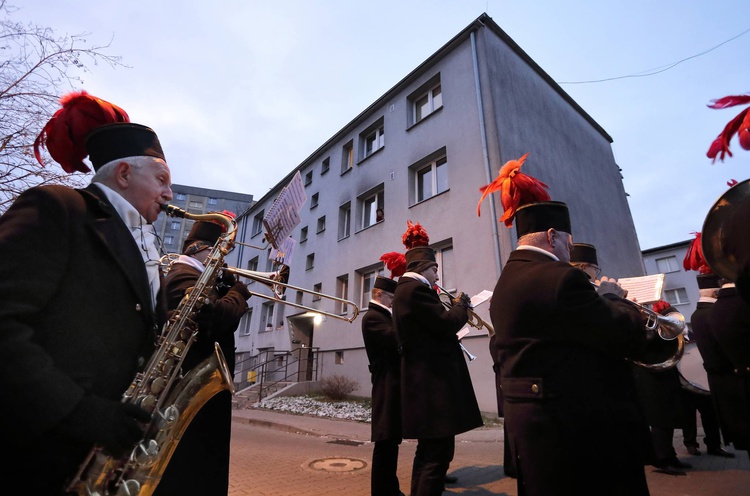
{"points": [[437, 396], [556, 338]]}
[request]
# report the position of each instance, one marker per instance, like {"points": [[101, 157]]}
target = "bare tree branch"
{"points": [[36, 68]]}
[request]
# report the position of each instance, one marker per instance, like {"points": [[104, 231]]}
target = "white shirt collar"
{"points": [[416, 276], [188, 260], [127, 212], [380, 305], [538, 250]]}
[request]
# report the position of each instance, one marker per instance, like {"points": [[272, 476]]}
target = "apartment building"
{"points": [[174, 230], [680, 286], [420, 152]]}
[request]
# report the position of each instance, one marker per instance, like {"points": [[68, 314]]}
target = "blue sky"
{"points": [[241, 92]]}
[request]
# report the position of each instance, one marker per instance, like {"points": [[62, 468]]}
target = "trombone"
{"points": [[277, 282]]}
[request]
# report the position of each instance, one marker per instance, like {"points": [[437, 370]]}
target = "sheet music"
{"points": [[283, 254], [480, 298], [644, 289], [283, 216]]}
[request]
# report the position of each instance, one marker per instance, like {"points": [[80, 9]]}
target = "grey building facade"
{"points": [[173, 230], [421, 152]]}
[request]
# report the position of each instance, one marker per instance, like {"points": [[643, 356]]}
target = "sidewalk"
{"points": [[275, 453]]}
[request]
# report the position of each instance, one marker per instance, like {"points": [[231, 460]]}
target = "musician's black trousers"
{"points": [[431, 462], [695, 403], [384, 481]]}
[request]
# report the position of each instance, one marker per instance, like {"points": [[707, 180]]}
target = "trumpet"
{"points": [[467, 352], [474, 320]]}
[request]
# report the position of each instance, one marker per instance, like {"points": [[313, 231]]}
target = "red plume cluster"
{"points": [[740, 125], [65, 134], [660, 305], [694, 257], [229, 214], [415, 235], [395, 262], [517, 189]]}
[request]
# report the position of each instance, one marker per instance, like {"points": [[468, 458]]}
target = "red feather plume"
{"points": [[65, 134], [517, 189], [395, 262], [660, 306], [694, 259], [740, 125], [415, 235]]}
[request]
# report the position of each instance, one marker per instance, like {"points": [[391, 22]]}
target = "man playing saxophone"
{"points": [[79, 296]]}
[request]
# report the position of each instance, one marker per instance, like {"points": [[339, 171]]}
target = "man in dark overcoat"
{"points": [[556, 338], [730, 327], [717, 368], [385, 372], [437, 396], [78, 315], [200, 463]]}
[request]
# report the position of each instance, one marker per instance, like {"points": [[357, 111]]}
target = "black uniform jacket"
{"points": [[200, 463], [437, 396], [730, 327], [561, 348], [385, 369], [76, 318]]}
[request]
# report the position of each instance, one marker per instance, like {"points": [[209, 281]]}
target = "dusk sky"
{"points": [[242, 92]]}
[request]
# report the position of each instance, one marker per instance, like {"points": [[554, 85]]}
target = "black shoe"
{"points": [[675, 463], [669, 470], [720, 452], [693, 451], [450, 479]]}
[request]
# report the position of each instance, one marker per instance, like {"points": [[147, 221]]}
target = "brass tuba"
{"points": [[161, 389], [719, 255], [667, 343]]}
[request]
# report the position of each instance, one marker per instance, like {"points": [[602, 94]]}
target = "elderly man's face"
{"points": [[431, 275]]}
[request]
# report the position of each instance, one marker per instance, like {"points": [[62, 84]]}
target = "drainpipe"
{"points": [[488, 168]]}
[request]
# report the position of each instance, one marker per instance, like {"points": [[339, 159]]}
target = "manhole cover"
{"points": [[337, 464]]}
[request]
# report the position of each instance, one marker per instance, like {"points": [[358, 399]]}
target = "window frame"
{"points": [[345, 221], [671, 262]]}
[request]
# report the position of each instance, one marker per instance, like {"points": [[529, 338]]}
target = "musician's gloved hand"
{"points": [[227, 278], [114, 425], [241, 288], [463, 300]]}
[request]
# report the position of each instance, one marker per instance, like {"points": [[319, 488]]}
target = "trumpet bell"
{"points": [[721, 223]]}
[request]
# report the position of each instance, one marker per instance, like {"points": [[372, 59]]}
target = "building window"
{"points": [[267, 316], [345, 220], [372, 139], [168, 239], [196, 204], [310, 262], [308, 178], [303, 234], [248, 320], [369, 204], [314, 200], [446, 265], [258, 223], [317, 288], [325, 166], [339, 358], [252, 264], [347, 157], [432, 179], [342, 291], [213, 201], [174, 225], [676, 296], [667, 264], [321, 224], [368, 280], [427, 102], [179, 196]]}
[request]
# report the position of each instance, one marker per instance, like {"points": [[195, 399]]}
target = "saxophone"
{"points": [[172, 398]]}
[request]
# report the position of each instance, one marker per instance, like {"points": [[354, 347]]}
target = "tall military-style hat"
{"points": [[526, 201], [419, 256], [385, 284], [203, 234], [583, 253], [89, 126]]}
